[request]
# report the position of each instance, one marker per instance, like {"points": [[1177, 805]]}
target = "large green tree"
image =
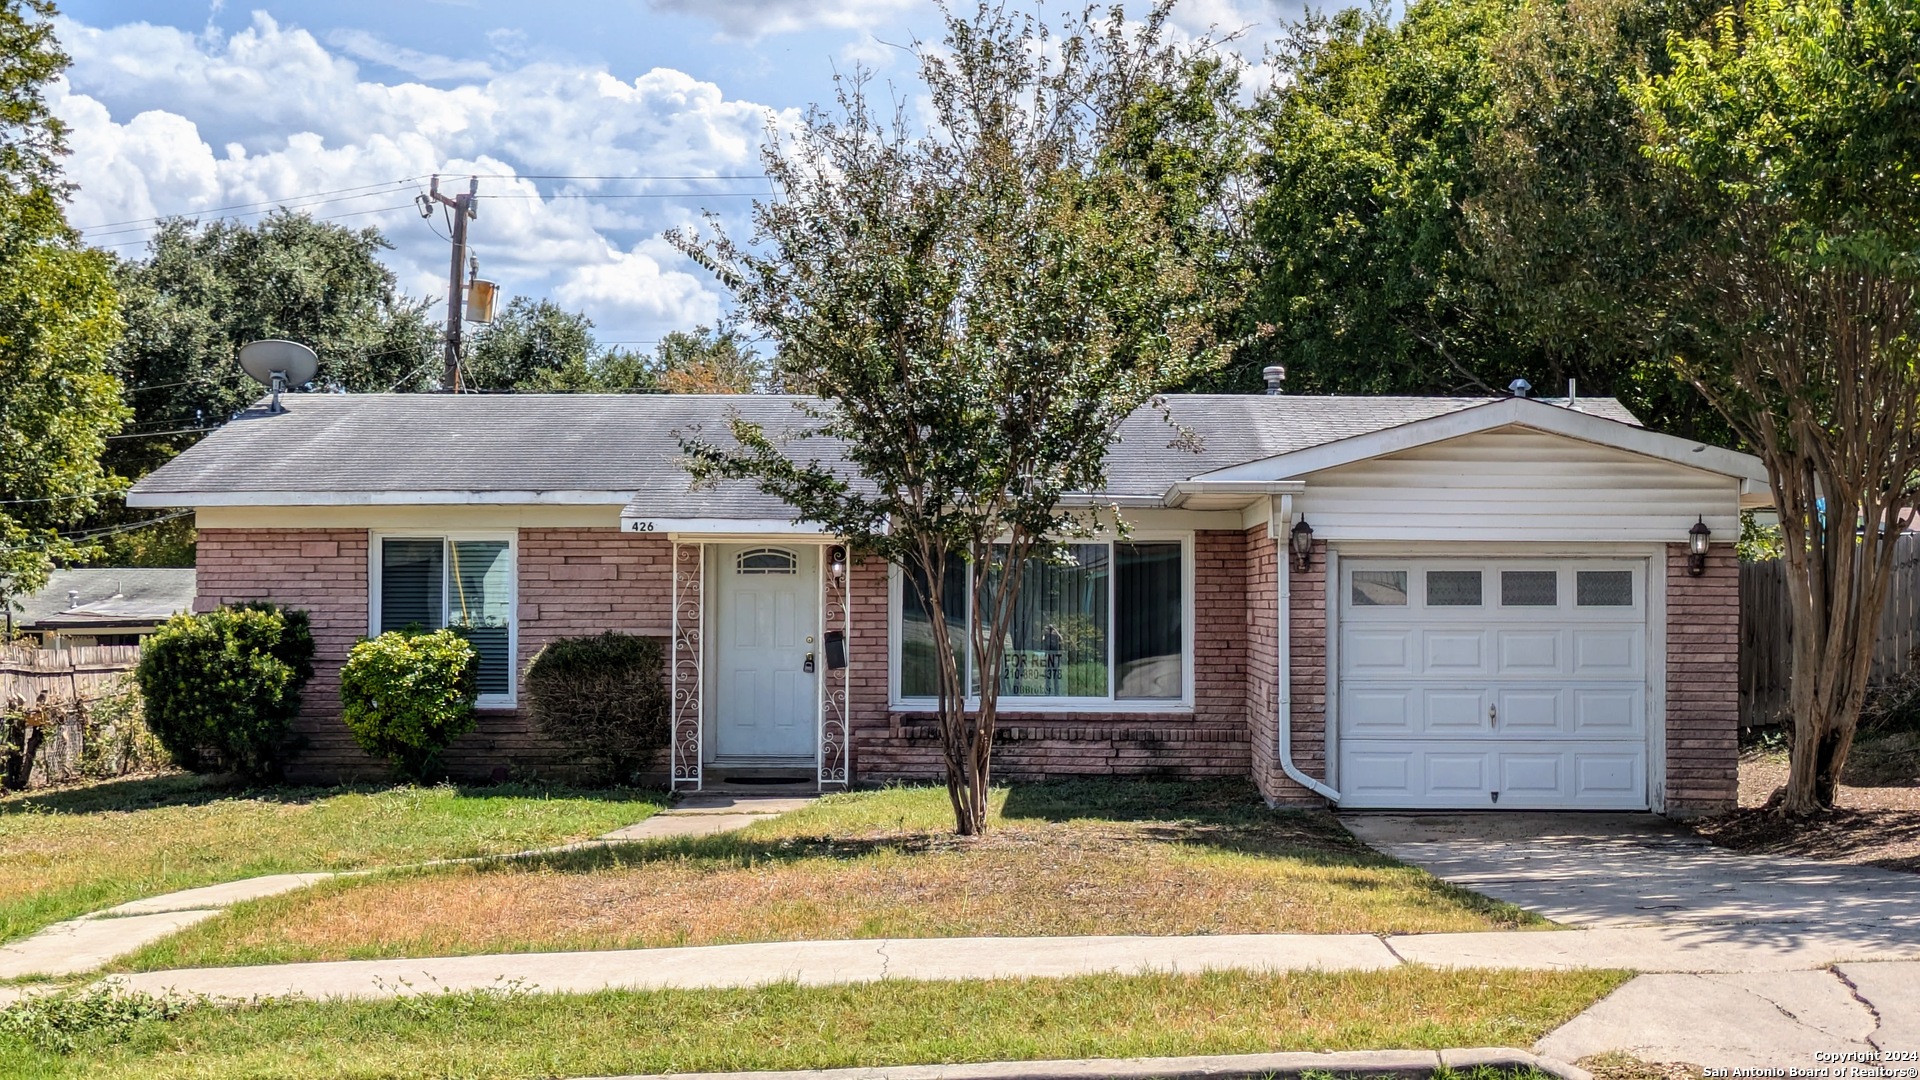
{"points": [[58, 399], [532, 345], [1793, 126], [979, 301], [1382, 141], [204, 289]]}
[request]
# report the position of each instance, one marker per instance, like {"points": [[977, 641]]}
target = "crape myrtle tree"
{"points": [[978, 298], [1794, 126]]}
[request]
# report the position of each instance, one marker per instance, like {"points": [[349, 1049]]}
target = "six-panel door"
{"points": [[764, 617]]}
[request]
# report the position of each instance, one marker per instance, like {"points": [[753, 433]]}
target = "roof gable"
{"points": [[1492, 416]]}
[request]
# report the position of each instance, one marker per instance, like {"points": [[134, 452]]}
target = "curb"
{"points": [[1401, 1063]]}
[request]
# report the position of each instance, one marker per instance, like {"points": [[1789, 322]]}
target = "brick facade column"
{"points": [[1703, 683]]}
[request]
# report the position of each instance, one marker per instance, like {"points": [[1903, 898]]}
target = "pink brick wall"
{"points": [[1209, 740], [1307, 674], [324, 572], [1703, 683], [582, 581], [571, 581]]}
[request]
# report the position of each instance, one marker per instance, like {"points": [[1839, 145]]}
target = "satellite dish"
{"points": [[279, 365]]}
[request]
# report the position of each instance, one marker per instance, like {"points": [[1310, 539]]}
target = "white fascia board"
{"points": [[136, 497], [1252, 490], [640, 523], [1136, 501], [1510, 412]]}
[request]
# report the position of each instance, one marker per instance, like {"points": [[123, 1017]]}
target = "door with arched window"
{"points": [[763, 622]]}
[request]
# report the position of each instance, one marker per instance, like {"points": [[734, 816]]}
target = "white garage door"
{"points": [[1492, 683]]}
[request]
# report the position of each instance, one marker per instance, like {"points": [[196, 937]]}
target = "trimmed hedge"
{"points": [[406, 695], [221, 689], [604, 696]]}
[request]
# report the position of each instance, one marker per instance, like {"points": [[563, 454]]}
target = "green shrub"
{"points": [[407, 694], [222, 688], [606, 697]]}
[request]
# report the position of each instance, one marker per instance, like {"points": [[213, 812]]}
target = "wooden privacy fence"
{"points": [[1766, 639], [39, 689]]}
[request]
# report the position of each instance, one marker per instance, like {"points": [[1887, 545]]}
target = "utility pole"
{"points": [[465, 207]]}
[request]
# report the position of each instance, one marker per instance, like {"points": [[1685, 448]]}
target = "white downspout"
{"points": [[1281, 525]]}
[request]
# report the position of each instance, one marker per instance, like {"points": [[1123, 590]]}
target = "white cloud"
{"points": [[167, 121], [750, 20], [421, 65]]}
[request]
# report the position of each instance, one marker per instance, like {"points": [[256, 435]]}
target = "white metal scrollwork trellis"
{"points": [[834, 589], [689, 614]]}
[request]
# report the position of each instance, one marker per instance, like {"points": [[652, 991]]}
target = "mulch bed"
{"points": [[1876, 821]]}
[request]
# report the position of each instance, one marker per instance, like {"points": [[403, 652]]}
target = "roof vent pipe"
{"points": [[1275, 375], [1519, 388], [73, 599]]}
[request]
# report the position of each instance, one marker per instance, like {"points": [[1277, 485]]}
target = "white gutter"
{"points": [[1279, 527], [1181, 490]]}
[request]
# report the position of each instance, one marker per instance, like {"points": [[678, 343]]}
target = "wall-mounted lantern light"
{"points": [[1698, 539], [837, 562], [1302, 541]]}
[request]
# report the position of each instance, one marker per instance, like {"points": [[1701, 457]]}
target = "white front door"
{"points": [[765, 617], [1493, 683]]}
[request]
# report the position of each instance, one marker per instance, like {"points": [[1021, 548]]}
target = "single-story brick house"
{"points": [[1381, 602]]}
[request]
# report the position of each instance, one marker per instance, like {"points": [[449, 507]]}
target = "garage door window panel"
{"points": [[1453, 588], [1379, 588], [1529, 588], [1603, 588]]}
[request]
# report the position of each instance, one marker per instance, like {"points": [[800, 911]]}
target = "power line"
{"points": [[330, 217], [115, 530], [263, 202], [635, 177], [630, 195]]}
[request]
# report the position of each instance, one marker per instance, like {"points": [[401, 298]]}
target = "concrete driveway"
{"points": [[1623, 870]]}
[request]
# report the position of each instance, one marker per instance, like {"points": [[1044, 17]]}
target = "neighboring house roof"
{"points": [[106, 596], [620, 449]]}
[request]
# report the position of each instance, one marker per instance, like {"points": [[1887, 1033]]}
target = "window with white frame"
{"points": [[459, 583], [1108, 622]]}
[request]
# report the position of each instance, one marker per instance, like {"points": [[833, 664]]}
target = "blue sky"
{"points": [[343, 106]]}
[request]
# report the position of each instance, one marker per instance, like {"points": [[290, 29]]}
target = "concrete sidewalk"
{"points": [[1748, 984], [85, 944], [826, 962]]}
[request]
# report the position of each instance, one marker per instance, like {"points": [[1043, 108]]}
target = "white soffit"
{"points": [[1511, 412]]}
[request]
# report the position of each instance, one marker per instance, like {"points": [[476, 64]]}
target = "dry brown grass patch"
{"points": [[1247, 872]]}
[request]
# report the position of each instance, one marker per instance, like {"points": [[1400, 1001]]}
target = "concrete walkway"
{"points": [[1800, 922], [90, 941]]}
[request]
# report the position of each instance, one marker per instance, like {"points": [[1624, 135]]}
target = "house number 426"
{"points": [[639, 526]]}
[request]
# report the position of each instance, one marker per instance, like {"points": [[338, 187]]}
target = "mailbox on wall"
{"points": [[836, 649]]}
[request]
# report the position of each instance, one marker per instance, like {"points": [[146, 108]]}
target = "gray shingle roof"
{"points": [[614, 447], [108, 595]]}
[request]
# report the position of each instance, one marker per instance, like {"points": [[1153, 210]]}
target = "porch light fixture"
{"points": [[1698, 538], [837, 562], [1302, 541]]}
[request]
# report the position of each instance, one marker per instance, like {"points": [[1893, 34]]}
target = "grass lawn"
{"points": [[481, 1036], [1066, 858], [68, 852]]}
